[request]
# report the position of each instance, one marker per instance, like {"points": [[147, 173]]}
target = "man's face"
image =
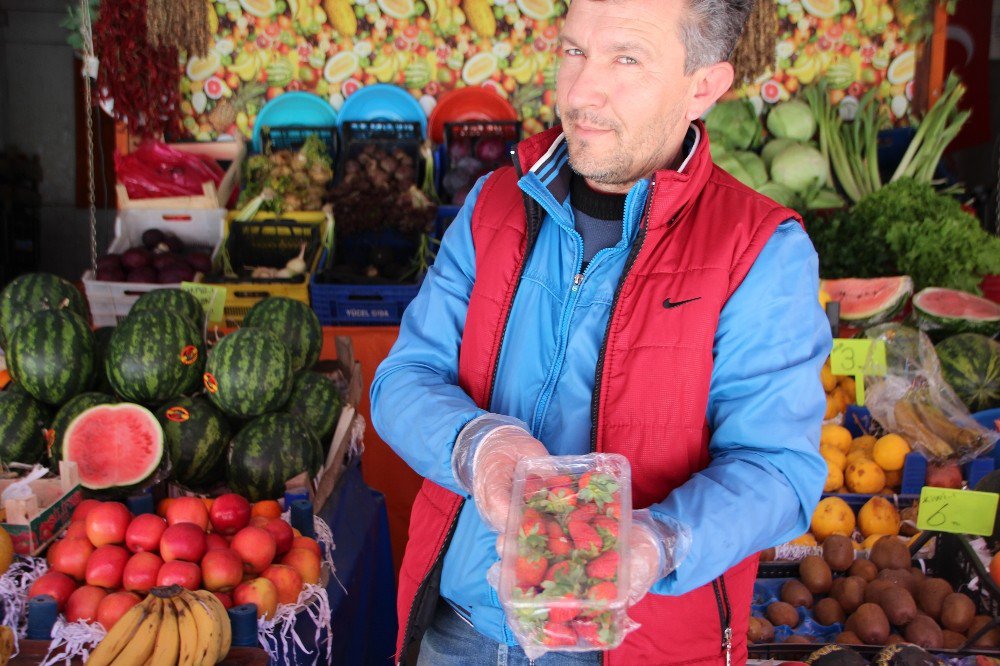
{"points": [[622, 93]]}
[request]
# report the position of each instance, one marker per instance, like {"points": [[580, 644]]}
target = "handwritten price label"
{"points": [[957, 511], [858, 358], [211, 297]]}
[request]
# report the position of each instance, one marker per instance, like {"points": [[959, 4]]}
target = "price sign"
{"points": [[212, 298], [957, 511], [858, 358]]}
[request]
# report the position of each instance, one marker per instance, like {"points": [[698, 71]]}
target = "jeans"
{"points": [[451, 641]]}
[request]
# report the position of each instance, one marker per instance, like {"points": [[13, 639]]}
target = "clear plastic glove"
{"points": [[656, 546], [483, 460]]}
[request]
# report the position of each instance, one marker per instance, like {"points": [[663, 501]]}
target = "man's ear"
{"points": [[710, 83]]}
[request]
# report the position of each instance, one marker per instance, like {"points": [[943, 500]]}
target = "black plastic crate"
{"points": [[291, 137], [271, 244], [388, 135]]}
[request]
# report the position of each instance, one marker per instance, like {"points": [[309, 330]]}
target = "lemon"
{"points": [[6, 550], [903, 68], [478, 68], [341, 66], [397, 9], [834, 457], [821, 8], [199, 69], [837, 437], [540, 10], [890, 452], [260, 8]]}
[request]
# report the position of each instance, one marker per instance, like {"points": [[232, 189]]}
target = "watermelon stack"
{"points": [[316, 400], [294, 323], [65, 416], [52, 355], [267, 452], [22, 422], [176, 301], [34, 292], [971, 364], [196, 435], [248, 373]]}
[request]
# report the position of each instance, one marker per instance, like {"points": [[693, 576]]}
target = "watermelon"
{"points": [[102, 336], [294, 323], [22, 422], [316, 400], [267, 452], [177, 301], [65, 416], [154, 356], [196, 435], [53, 356], [951, 311], [33, 292], [971, 364], [114, 446], [248, 373], [867, 302]]}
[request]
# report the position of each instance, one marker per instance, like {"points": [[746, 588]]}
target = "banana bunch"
{"points": [[923, 422], [171, 627], [479, 14], [341, 16]]}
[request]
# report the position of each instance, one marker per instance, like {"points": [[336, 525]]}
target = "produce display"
{"points": [[286, 181], [863, 465], [163, 258], [878, 516], [55, 434], [22, 419], [171, 300], [937, 309], [469, 158], [248, 373], [292, 322], [316, 400], [268, 451]]}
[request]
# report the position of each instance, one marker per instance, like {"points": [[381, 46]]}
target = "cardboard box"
{"points": [[35, 522]]}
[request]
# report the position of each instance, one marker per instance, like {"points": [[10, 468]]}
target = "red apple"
{"points": [[282, 533], [82, 509], [948, 475], [256, 548], [57, 585], [107, 523], [215, 541], [221, 570], [287, 582], [113, 606], [141, 571], [183, 541], [83, 603], [77, 530], [305, 562], [69, 556], [261, 593], [225, 598], [179, 572], [230, 513], [144, 532], [308, 544], [188, 510], [106, 565]]}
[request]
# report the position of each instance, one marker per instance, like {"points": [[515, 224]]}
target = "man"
{"points": [[614, 292]]}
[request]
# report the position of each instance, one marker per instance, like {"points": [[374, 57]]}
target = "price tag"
{"points": [[212, 298], [858, 358], [957, 511]]}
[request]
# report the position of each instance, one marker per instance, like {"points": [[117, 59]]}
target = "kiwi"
{"points": [[952, 640], [894, 638], [870, 624], [760, 630], [815, 574], [827, 611], [890, 553], [875, 589], [918, 574], [898, 605], [847, 638], [899, 577], [849, 592], [931, 596], [804, 640], [864, 568], [957, 611], [768, 555], [796, 594], [990, 639], [838, 551], [925, 632], [780, 613]]}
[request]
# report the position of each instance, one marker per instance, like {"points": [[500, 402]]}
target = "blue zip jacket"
{"points": [[765, 404]]}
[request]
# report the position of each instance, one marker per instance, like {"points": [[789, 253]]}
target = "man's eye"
{"points": [[573, 52], [626, 60]]}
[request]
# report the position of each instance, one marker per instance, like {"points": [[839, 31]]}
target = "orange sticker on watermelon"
{"points": [[178, 414], [211, 385], [50, 438], [189, 355]]}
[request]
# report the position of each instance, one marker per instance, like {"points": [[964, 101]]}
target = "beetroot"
{"points": [[110, 261], [162, 261], [145, 274], [201, 262], [110, 273], [174, 243], [176, 273], [490, 149], [137, 257], [152, 237]]}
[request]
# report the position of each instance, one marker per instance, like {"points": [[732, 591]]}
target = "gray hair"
{"points": [[710, 30]]}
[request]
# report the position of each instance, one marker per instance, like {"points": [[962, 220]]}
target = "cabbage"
{"points": [[826, 199], [773, 148], [734, 167], [800, 168], [733, 124], [791, 120], [754, 167], [779, 193]]}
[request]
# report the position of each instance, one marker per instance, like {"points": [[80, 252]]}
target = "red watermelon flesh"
{"points": [[867, 302], [114, 445], [956, 311]]}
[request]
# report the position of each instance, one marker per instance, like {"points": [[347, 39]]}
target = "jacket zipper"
{"points": [[725, 617]]}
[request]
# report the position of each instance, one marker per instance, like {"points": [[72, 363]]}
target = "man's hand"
{"points": [[656, 548]]}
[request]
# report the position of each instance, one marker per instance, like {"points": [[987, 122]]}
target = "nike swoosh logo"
{"points": [[667, 303]]}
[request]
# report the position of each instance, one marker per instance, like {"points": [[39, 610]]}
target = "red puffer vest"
{"points": [[700, 233]]}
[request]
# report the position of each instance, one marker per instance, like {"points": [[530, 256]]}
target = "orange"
{"points": [[833, 406], [266, 508], [161, 506], [834, 478], [869, 541], [865, 443], [208, 501], [836, 436], [806, 539], [878, 516], [995, 569], [832, 516], [890, 452], [894, 479], [864, 476], [834, 457], [828, 379]]}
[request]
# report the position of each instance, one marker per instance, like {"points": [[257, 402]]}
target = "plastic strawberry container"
{"points": [[564, 569]]}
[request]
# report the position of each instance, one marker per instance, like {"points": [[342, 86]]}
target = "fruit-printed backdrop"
{"points": [[334, 47]]}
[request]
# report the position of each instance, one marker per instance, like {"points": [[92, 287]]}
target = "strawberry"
{"points": [[530, 571], [565, 611], [613, 509], [604, 566], [562, 573], [603, 591], [532, 485], [606, 524], [558, 634], [595, 633], [531, 522], [561, 500], [598, 487], [557, 543], [584, 513], [584, 536], [559, 481]]}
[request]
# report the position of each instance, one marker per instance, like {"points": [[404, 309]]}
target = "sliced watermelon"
{"points": [[867, 302], [951, 311], [114, 446]]}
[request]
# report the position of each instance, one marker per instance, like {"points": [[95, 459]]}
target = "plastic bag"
{"points": [[155, 169], [564, 578], [915, 401]]}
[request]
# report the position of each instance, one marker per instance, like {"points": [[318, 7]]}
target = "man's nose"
{"points": [[588, 87]]}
